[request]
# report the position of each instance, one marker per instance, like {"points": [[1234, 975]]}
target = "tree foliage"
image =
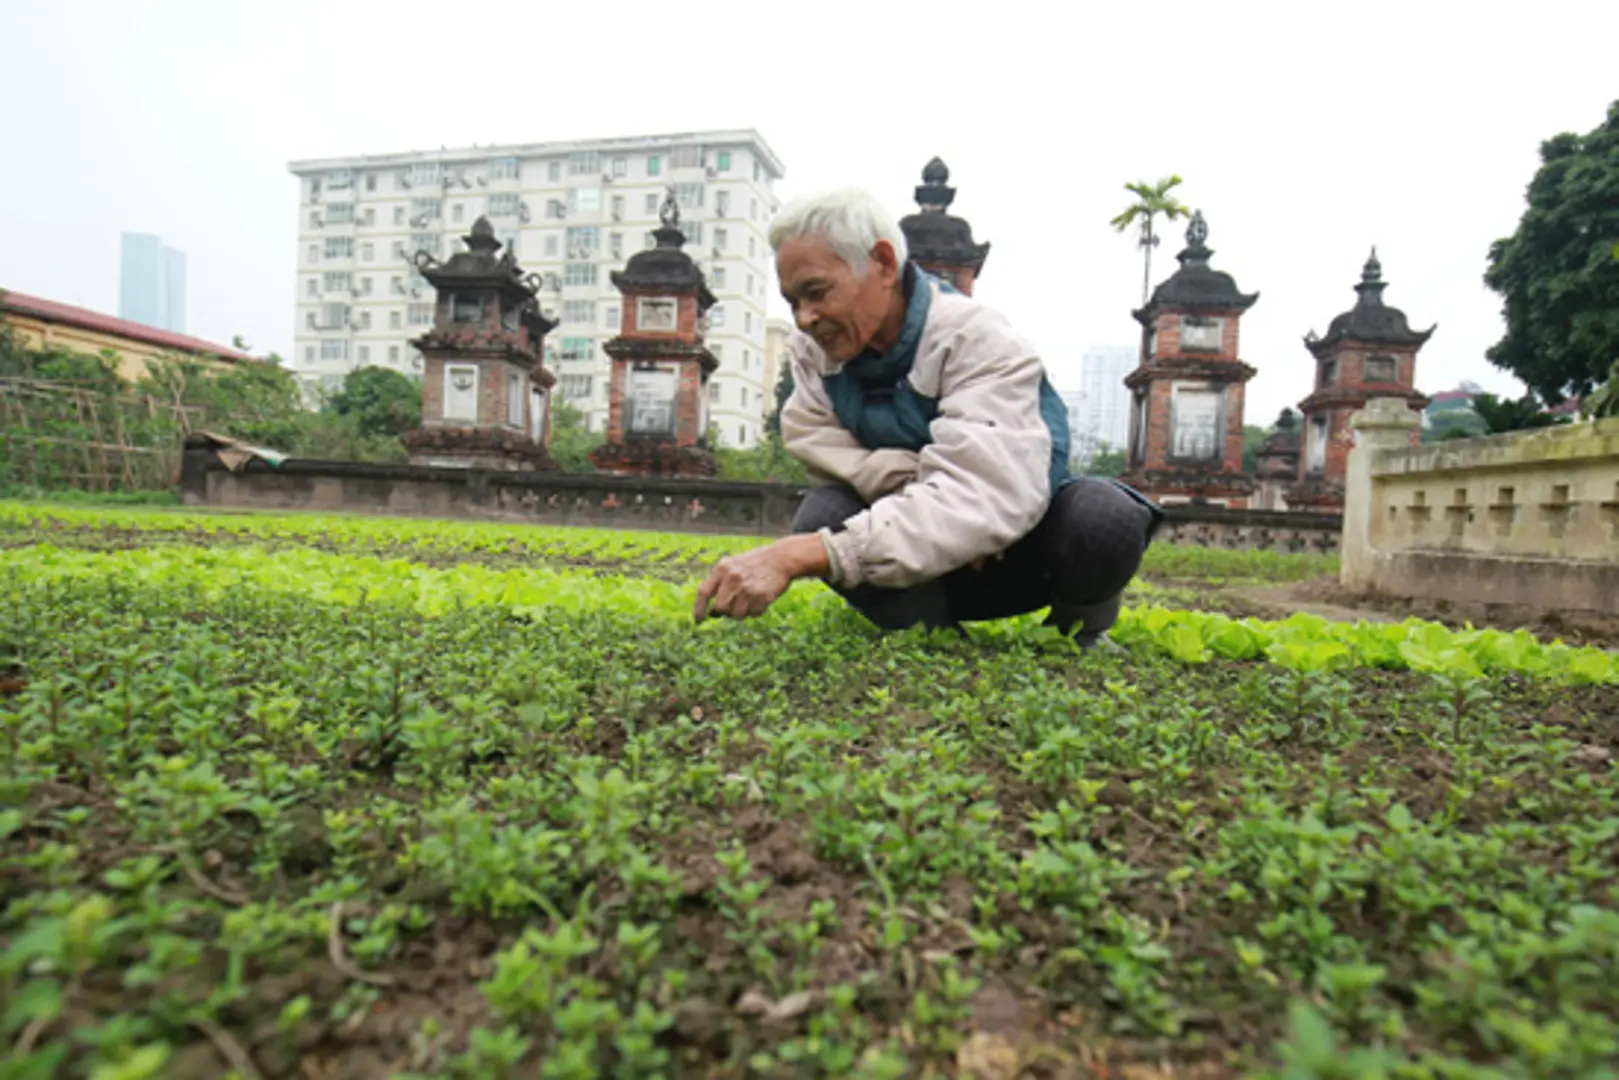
{"points": [[571, 443], [1152, 200], [382, 401], [1501, 415], [784, 390], [1106, 462], [768, 462], [1557, 274]]}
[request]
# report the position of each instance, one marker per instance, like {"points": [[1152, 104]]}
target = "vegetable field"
{"points": [[313, 797]]}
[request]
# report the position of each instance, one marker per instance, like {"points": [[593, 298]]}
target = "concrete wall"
{"points": [[685, 505], [1526, 520]]}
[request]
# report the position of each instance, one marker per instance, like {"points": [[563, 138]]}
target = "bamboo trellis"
{"points": [[61, 434]]}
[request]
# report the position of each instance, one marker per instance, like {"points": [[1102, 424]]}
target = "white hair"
{"points": [[851, 220]]}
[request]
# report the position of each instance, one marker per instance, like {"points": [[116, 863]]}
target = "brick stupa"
{"points": [[657, 404]]}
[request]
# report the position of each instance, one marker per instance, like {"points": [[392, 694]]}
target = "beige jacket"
{"points": [[982, 481]]}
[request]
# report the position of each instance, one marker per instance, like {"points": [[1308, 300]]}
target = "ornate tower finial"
{"points": [[482, 237], [1197, 230], [935, 195], [1373, 270], [669, 212]]}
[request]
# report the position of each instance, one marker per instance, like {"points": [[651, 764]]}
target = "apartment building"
{"points": [[572, 212]]}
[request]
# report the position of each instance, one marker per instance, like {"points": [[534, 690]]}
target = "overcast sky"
{"points": [[1306, 133]]}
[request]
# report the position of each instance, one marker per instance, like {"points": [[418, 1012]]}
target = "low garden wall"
{"points": [[713, 506], [1526, 520]]}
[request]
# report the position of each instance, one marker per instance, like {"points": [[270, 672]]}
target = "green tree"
{"points": [[768, 462], [382, 401], [571, 444], [784, 390], [1501, 415], [1253, 438], [1557, 274], [1151, 201], [1106, 462]]}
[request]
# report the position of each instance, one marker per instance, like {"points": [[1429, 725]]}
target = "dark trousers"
{"points": [[1077, 561]]}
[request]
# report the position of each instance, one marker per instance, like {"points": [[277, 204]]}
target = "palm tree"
{"points": [[1151, 200]]}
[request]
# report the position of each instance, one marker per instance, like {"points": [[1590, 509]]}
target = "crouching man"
{"points": [[937, 446]]}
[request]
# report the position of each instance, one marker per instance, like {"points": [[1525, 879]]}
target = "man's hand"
{"points": [[741, 586]]}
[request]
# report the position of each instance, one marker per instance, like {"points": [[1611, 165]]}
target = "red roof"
{"points": [[85, 319]]}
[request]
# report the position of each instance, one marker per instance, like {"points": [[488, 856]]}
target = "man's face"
{"points": [[841, 311]]}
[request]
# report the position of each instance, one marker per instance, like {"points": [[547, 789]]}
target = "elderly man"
{"points": [[937, 445]]}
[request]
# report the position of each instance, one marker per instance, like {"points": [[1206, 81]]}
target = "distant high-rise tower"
{"points": [[1105, 417], [152, 283]]}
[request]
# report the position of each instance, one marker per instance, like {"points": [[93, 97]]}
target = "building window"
{"points": [[753, 209], [399, 215], [309, 352], [615, 245], [750, 285], [714, 392], [578, 273], [1329, 373], [722, 203], [755, 172], [395, 320], [743, 391], [653, 167], [621, 166], [658, 313], [503, 168], [551, 242], [424, 172], [742, 434], [514, 399], [556, 209], [1381, 369], [612, 317], [689, 196], [750, 247], [585, 200], [719, 277], [718, 350], [340, 247], [504, 204], [370, 181], [716, 315], [365, 354], [428, 242], [393, 354], [460, 392], [722, 238], [724, 164], [508, 239], [747, 322], [686, 157], [652, 204], [575, 348], [312, 287], [578, 311], [693, 231], [582, 241], [341, 213], [419, 314], [618, 208], [1315, 446], [368, 252], [365, 286], [1200, 334], [369, 217], [425, 210], [465, 308], [314, 253], [314, 219], [584, 162], [553, 171], [455, 214], [396, 285], [334, 350], [574, 387], [335, 281]]}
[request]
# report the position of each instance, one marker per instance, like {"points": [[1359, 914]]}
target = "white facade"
{"points": [[576, 211], [1103, 415]]}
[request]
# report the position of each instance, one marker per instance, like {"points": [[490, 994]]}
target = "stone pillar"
{"points": [[1386, 423]]}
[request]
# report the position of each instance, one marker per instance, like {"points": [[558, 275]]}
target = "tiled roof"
{"points": [[85, 319]]}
